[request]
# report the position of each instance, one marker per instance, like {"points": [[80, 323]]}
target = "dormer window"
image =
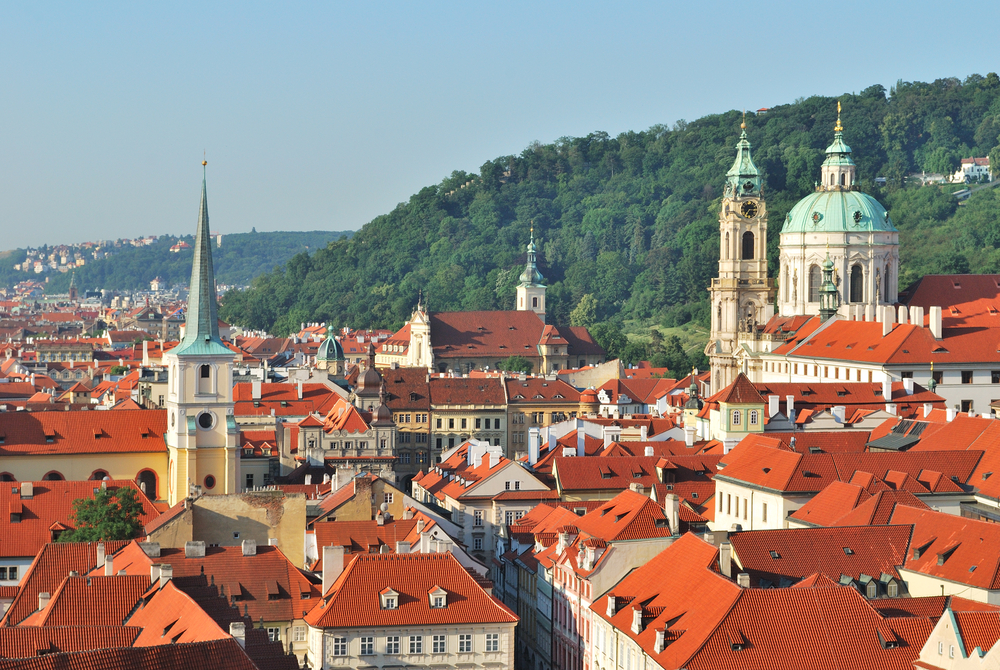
{"points": [[438, 597], [389, 599]]}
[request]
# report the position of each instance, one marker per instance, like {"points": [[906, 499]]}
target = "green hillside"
{"points": [[241, 257], [632, 220]]}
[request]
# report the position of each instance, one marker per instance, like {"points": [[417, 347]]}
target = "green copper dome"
{"points": [[330, 349], [838, 212], [531, 276]]}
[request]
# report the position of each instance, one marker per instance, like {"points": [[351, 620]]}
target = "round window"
{"points": [[206, 420], [209, 482]]}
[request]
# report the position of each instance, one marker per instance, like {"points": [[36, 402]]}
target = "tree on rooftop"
{"points": [[516, 364], [108, 515]]}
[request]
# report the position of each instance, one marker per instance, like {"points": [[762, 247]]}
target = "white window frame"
{"points": [[416, 644], [340, 646], [465, 643], [493, 642], [439, 644], [298, 633], [392, 644], [367, 645], [735, 417]]}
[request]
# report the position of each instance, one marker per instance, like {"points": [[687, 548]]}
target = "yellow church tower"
{"points": [[202, 437]]}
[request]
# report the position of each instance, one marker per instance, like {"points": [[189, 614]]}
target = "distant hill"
{"points": [[241, 257], [633, 220]]}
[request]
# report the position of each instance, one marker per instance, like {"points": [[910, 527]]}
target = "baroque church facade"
{"points": [[838, 254]]}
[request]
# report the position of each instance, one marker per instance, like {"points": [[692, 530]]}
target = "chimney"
{"points": [[611, 604], [672, 509], [272, 542], [100, 554], [951, 414], [166, 573], [581, 449], [249, 547], [917, 316], [868, 312], [887, 389], [402, 547], [659, 644], [689, 436], [636, 487], [27, 490], [772, 405], [790, 402], [154, 573], [494, 459], [908, 385], [298, 385], [255, 390], [743, 580], [643, 433], [309, 480], [839, 413], [890, 408], [726, 558], [903, 314], [109, 566], [534, 439], [152, 549], [887, 321], [648, 451], [927, 409], [636, 619], [420, 525], [568, 451], [194, 549], [238, 630], [43, 600], [333, 565], [935, 322]]}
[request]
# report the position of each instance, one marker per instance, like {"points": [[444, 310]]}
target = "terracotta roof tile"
{"points": [[215, 654]]}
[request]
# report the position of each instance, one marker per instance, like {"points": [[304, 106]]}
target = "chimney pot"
{"points": [[100, 554], [27, 490], [238, 630], [195, 549], [43, 599], [152, 549], [743, 580], [166, 573], [109, 566], [935, 322], [726, 559], [249, 547]]}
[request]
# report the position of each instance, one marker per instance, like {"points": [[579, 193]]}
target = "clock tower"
{"points": [[202, 436], [742, 294]]}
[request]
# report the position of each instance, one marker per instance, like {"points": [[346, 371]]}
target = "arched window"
{"points": [[754, 417], [885, 280], [736, 417], [857, 284], [534, 301], [784, 284], [146, 480], [204, 379], [814, 282], [718, 315], [53, 476], [726, 252], [843, 179], [748, 246], [833, 179], [98, 475], [7, 477]]}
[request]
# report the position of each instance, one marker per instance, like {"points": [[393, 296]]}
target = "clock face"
{"points": [[749, 209]]}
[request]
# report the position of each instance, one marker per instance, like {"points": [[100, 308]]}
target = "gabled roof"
{"points": [[952, 547], [740, 392], [467, 390], [99, 600], [283, 399], [353, 600], [794, 553], [216, 654], [27, 642], [89, 432]]}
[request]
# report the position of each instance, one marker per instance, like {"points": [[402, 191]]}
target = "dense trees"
{"points": [[627, 226], [109, 515]]}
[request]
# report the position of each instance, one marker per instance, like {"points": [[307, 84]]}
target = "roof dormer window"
{"points": [[438, 597], [389, 599]]}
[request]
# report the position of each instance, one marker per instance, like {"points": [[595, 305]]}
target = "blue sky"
{"points": [[324, 115]]}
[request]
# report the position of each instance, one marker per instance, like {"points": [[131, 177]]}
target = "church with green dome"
{"points": [[849, 227]]}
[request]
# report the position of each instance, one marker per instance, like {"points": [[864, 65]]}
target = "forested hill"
{"points": [[632, 220], [240, 258]]}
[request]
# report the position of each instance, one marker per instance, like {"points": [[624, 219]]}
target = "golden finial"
{"points": [[532, 228], [203, 161], [838, 128], [744, 124]]}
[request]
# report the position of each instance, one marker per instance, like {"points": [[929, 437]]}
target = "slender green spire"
{"points": [[531, 276], [744, 177], [201, 330]]}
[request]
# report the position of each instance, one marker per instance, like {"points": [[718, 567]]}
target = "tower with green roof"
{"points": [[201, 430], [742, 294], [850, 226], [531, 287]]}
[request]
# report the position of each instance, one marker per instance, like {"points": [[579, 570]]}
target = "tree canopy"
{"points": [[108, 515], [627, 226]]}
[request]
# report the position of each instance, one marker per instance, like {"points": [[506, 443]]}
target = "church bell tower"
{"points": [[201, 434], [742, 294]]}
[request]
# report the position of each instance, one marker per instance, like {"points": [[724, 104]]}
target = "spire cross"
{"points": [[838, 128]]}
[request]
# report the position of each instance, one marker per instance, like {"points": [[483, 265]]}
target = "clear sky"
{"points": [[324, 115]]}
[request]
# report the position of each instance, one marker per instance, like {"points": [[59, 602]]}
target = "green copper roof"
{"points": [[330, 349], [744, 177], [201, 330], [531, 276], [838, 211]]}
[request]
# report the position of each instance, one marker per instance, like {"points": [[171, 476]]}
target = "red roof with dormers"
{"points": [[248, 578], [968, 301], [171, 616], [467, 391], [540, 390], [344, 416], [51, 504], [283, 399], [50, 567], [466, 476], [353, 601], [89, 432], [99, 600], [216, 654], [27, 642], [790, 554]]}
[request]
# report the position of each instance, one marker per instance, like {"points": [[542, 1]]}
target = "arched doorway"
{"points": [[146, 481]]}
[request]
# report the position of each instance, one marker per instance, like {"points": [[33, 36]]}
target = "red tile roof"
{"points": [[540, 390], [283, 399], [966, 549], [467, 391], [976, 297], [89, 432], [794, 553], [353, 600], [740, 392], [216, 654], [171, 616], [27, 642], [99, 600], [51, 503]]}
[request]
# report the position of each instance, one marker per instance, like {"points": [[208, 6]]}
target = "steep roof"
{"points": [[499, 334], [794, 553], [283, 399], [467, 391], [216, 654], [540, 390], [975, 297], [84, 432], [99, 600], [740, 392], [27, 642], [353, 600]]}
